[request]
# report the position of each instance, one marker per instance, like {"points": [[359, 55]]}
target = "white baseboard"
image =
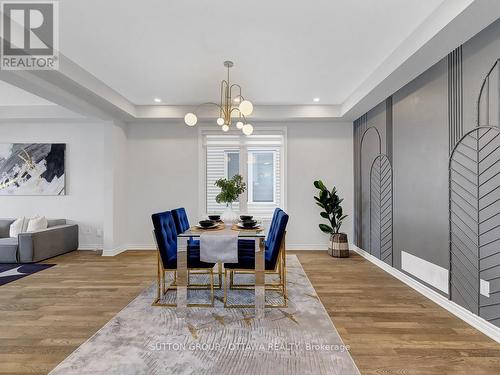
{"points": [[115, 251], [95, 247], [475, 321], [141, 247]]}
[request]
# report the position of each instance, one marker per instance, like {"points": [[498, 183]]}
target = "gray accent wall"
{"points": [[419, 126], [420, 163]]}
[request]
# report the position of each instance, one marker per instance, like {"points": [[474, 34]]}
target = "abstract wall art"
{"points": [[32, 168]]}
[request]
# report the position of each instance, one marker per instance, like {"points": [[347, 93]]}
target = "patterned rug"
{"points": [[142, 339], [12, 272]]}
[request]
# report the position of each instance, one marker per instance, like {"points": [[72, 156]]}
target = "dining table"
{"points": [[257, 235]]}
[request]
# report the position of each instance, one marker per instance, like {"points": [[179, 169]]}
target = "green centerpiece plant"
{"points": [[231, 189]]}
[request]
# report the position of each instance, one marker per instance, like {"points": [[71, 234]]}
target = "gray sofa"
{"points": [[58, 238]]}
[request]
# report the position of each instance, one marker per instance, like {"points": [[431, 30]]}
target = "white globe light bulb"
{"points": [[220, 121], [246, 108], [247, 129], [239, 125], [190, 119], [225, 128]]}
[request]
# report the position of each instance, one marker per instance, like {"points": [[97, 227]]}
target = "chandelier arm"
{"points": [[222, 112], [231, 91], [208, 103], [241, 114], [236, 109]]}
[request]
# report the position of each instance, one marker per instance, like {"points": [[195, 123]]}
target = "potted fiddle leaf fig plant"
{"points": [[230, 191], [330, 202]]}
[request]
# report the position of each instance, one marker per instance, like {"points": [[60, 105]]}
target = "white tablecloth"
{"points": [[219, 246]]}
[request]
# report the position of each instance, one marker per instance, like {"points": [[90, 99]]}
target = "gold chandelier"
{"points": [[232, 106]]}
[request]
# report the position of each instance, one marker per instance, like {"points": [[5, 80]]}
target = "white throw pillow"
{"points": [[17, 227], [25, 224], [37, 223]]}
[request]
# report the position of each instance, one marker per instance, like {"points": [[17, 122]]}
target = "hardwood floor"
{"points": [[45, 316], [390, 328]]}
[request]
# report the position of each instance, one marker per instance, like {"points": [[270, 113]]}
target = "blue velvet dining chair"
{"points": [[247, 248], [275, 258], [165, 235], [182, 224], [180, 219]]}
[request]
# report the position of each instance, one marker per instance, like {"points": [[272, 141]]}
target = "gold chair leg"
{"points": [[158, 278], [219, 266], [225, 287], [246, 286], [210, 286], [163, 284], [201, 286], [285, 291], [212, 292], [160, 286]]}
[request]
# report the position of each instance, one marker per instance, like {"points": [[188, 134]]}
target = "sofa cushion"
{"points": [[8, 250], [37, 223], [55, 222], [17, 227], [5, 227]]}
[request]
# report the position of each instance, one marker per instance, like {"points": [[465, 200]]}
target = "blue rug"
{"points": [[13, 272]]}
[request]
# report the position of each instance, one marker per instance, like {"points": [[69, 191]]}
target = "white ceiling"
{"points": [[286, 52]]}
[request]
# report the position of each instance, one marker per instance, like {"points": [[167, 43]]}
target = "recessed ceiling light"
{"points": [[315, 100], [157, 100]]}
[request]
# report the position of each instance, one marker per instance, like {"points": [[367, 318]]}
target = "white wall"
{"points": [[116, 187], [118, 175], [163, 173], [83, 202], [317, 151]]}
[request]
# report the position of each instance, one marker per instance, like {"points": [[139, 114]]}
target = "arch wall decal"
{"points": [[360, 176], [381, 209], [488, 102], [474, 218]]}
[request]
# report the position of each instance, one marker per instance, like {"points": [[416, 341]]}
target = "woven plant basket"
{"points": [[339, 245]]}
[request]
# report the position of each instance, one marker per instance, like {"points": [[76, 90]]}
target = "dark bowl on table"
{"points": [[249, 223], [207, 223], [214, 217], [246, 217]]}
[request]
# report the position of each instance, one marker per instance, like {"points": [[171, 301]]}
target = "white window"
{"points": [[258, 158], [232, 163]]}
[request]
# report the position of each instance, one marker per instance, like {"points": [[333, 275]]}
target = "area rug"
{"points": [[12, 272], [142, 339]]}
